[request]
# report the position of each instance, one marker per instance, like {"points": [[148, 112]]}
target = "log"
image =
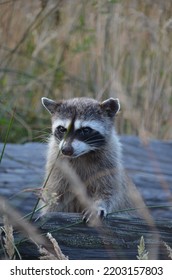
{"points": [[147, 164], [117, 237]]}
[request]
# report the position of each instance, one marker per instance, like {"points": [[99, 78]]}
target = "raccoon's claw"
{"points": [[90, 215]]}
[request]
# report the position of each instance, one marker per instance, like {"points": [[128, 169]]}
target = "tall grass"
{"points": [[102, 48], [63, 49]]}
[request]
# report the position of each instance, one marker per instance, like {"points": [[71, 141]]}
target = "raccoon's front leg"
{"points": [[97, 211]]}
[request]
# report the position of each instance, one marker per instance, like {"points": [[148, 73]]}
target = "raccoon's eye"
{"points": [[61, 129], [84, 131]]}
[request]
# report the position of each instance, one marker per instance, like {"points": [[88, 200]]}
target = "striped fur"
{"points": [[83, 129]]}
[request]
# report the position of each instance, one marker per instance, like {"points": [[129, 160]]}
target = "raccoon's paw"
{"points": [[94, 215]]}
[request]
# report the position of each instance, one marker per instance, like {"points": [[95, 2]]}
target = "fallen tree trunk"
{"points": [[148, 165], [116, 238]]}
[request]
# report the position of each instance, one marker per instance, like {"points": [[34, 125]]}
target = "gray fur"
{"points": [[101, 170]]}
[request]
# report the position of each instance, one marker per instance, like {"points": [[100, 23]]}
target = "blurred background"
{"points": [[63, 49]]}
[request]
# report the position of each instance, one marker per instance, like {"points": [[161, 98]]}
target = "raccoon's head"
{"points": [[81, 125]]}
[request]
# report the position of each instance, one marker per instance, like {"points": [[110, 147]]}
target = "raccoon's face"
{"points": [[81, 125]]}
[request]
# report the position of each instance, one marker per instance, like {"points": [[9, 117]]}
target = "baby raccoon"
{"points": [[83, 134]]}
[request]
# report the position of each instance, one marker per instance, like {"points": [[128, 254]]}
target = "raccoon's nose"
{"points": [[67, 151]]}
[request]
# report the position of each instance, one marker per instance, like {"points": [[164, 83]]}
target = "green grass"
{"points": [[7, 135]]}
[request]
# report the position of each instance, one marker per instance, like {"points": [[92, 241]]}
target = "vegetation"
{"points": [[48, 247], [96, 48], [101, 48]]}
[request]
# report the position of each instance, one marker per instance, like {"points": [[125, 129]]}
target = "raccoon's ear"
{"points": [[49, 104], [111, 106]]}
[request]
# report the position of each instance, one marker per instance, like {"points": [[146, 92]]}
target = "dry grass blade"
{"points": [[46, 255], [16, 220], [144, 213], [142, 253], [9, 238], [12, 218], [76, 184], [169, 250]]}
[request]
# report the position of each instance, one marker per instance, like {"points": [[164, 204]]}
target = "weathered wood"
{"points": [[150, 167], [116, 238]]}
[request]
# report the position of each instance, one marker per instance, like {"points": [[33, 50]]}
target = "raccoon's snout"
{"points": [[67, 150]]}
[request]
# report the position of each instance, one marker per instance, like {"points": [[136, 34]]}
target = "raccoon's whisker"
{"points": [[96, 145], [100, 140], [93, 138], [41, 136], [43, 130], [44, 141]]}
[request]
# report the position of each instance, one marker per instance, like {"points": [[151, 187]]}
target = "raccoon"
{"points": [[84, 136]]}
